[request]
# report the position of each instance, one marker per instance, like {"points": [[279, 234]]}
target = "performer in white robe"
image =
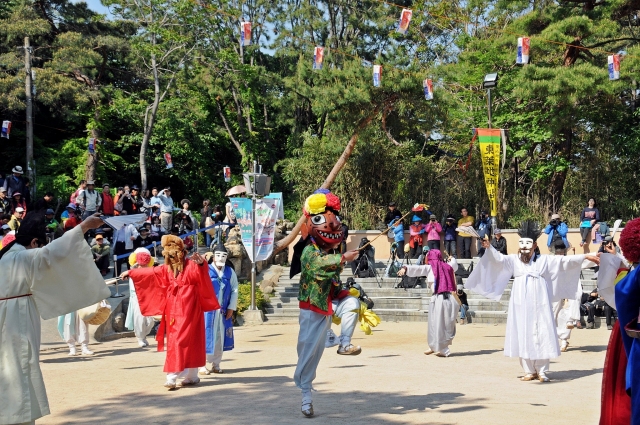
{"points": [[74, 330], [135, 321], [219, 323], [539, 280], [39, 282], [566, 314], [444, 305]]}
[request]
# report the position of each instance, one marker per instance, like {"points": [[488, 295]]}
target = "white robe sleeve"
{"points": [[233, 302], [562, 274], [64, 277], [492, 274], [417, 271], [609, 265]]}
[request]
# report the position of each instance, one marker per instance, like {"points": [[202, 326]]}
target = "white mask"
{"points": [[219, 259], [526, 245]]}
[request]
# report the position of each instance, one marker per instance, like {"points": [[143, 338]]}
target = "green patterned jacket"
{"points": [[319, 272]]}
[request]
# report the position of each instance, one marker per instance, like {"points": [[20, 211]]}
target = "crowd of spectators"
{"points": [[161, 216]]}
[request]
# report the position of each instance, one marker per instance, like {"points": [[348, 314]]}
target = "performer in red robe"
{"points": [[180, 291]]}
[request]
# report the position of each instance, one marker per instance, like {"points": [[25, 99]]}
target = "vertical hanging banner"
{"points": [[245, 33], [226, 172], [318, 57], [6, 129], [522, 57], [92, 145], [614, 67], [405, 20], [428, 89], [377, 75], [167, 157], [266, 216], [489, 140]]}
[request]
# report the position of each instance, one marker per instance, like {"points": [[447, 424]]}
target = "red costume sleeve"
{"points": [[150, 284], [208, 299]]}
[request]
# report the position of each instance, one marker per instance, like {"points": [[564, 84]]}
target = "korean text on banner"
{"points": [[489, 140], [266, 213]]}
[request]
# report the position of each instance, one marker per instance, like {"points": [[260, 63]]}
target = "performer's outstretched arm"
{"points": [[492, 274]]}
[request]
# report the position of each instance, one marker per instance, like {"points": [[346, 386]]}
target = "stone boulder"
{"points": [[269, 277]]}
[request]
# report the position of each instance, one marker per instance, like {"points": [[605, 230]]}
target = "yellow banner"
{"points": [[489, 140]]}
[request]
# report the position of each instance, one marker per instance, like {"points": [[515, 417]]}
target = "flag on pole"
{"points": [[377, 75], [226, 172], [405, 20], [245, 33], [614, 67], [167, 157], [6, 129], [523, 50], [428, 89], [318, 57], [489, 140], [92, 145]]}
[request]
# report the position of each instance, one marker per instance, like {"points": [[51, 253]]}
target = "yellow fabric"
{"points": [[368, 319], [316, 203], [465, 221], [132, 260], [354, 292]]}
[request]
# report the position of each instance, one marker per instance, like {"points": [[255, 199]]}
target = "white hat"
{"points": [[17, 169], [555, 217], [19, 209], [5, 227]]}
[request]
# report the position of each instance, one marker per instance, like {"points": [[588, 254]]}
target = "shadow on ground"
{"points": [[264, 400]]}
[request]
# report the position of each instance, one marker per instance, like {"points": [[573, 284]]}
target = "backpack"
{"points": [[462, 272], [556, 240]]}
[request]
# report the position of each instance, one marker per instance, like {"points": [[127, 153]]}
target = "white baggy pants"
{"points": [[312, 335], [535, 366]]}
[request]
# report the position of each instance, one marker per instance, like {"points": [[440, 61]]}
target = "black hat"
{"points": [[135, 187], [529, 229], [392, 204], [220, 248]]}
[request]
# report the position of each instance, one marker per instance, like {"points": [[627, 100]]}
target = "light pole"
{"points": [[491, 82], [257, 185]]}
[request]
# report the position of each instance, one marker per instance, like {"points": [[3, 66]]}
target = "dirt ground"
{"points": [[391, 382]]}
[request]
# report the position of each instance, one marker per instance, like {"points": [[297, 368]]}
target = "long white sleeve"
{"points": [[492, 274], [233, 302], [416, 271]]}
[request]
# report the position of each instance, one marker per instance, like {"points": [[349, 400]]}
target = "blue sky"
{"points": [[94, 5]]}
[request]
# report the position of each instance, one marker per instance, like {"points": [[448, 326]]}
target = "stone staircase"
{"points": [[396, 304]]}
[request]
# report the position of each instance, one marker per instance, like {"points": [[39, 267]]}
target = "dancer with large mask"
{"points": [[539, 280], [316, 256], [218, 324]]}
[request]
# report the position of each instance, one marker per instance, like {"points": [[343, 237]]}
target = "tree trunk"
{"points": [[92, 159], [149, 121], [342, 161], [559, 177]]}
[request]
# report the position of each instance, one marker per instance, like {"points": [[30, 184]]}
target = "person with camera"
{"points": [[557, 241], [450, 234], [483, 227], [397, 229], [433, 230], [89, 200]]}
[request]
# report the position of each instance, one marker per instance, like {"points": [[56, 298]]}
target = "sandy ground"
{"points": [[391, 382]]}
